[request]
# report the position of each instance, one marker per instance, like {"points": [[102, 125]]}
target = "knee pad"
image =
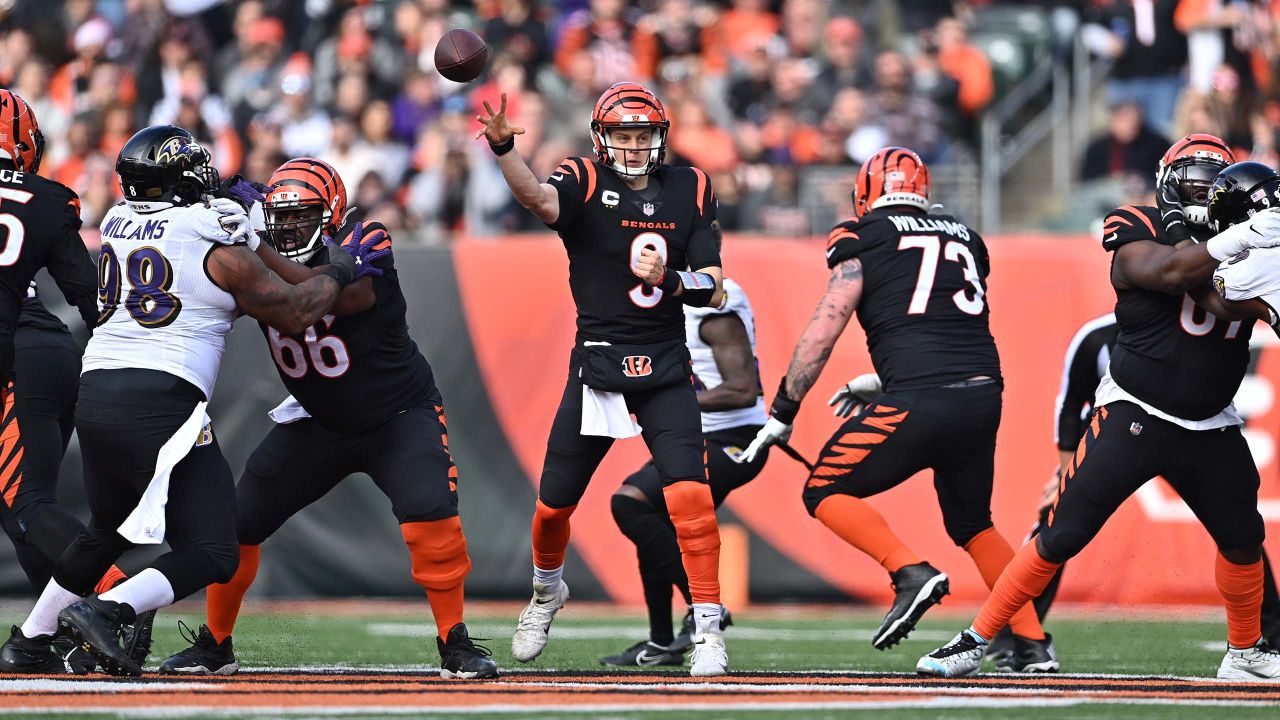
{"points": [[437, 552], [1057, 546], [1245, 535], [963, 530], [693, 512]]}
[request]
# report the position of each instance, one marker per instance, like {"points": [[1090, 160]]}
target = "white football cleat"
{"points": [[958, 658], [535, 620], [710, 658], [1260, 662]]}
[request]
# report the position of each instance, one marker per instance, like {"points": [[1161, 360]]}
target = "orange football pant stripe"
{"points": [[992, 553], [438, 555], [550, 535], [857, 523], [223, 600], [693, 512], [1241, 588], [1024, 578]]}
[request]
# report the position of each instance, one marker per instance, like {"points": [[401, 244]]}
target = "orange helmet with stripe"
{"points": [[306, 200], [21, 141], [892, 176], [1192, 164], [629, 106]]}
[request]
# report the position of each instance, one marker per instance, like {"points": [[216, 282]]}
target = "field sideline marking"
{"points": [[628, 632]]}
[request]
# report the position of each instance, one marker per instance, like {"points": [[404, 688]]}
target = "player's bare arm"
{"points": [[355, 298], [1152, 266], [265, 296], [537, 197], [829, 319], [731, 348]]}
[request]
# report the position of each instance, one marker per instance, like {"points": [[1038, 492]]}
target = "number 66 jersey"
{"points": [[923, 304]]}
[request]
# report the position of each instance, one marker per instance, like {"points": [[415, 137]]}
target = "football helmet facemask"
{"points": [[633, 107], [1192, 164], [163, 166], [306, 200], [21, 141], [1241, 191]]}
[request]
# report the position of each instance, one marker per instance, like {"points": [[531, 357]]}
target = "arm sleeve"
{"points": [[1080, 376], [74, 271], [702, 243], [570, 181]]}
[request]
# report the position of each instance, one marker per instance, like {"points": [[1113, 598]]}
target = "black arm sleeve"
{"points": [[1080, 375], [76, 275], [703, 251]]}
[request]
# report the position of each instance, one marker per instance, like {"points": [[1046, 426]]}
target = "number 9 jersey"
{"points": [[923, 304], [160, 309]]}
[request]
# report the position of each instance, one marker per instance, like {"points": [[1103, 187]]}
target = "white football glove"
{"points": [[1260, 231], [233, 218], [855, 395], [774, 431]]}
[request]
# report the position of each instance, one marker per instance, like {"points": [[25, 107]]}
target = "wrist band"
{"points": [[504, 147], [784, 409], [339, 275]]}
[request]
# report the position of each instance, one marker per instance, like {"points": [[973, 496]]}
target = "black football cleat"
{"points": [[22, 655], [136, 636], [1034, 656], [206, 656], [1000, 651], [684, 641], [646, 654], [75, 659], [917, 588], [462, 659], [96, 625]]}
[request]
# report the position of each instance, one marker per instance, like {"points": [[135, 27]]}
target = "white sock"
{"points": [[548, 577], [148, 590], [43, 619], [706, 618]]}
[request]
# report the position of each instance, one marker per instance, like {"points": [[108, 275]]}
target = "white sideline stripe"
{"points": [[626, 632], [92, 686], [181, 711]]}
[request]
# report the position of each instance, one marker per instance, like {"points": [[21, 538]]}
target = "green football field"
{"points": [[390, 649]]}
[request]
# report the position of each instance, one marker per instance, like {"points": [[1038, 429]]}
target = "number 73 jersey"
{"points": [[924, 296]]}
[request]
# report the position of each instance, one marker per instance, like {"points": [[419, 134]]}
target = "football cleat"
{"points": [[1000, 650], [959, 658], [647, 654], [1034, 656], [462, 659], [29, 656], [136, 636], [74, 658], [684, 640], [206, 656], [535, 620], [1260, 662], [96, 624], [710, 658], [917, 588]]}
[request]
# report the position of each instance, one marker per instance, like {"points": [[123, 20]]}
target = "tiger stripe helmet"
{"points": [[21, 141], [629, 105], [306, 200], [892, 176], [1193, 163]]}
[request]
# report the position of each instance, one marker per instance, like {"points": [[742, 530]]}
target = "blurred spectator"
{"points": [[70, 83], [745, 23], [573, 101], [304, 128], [462, 190], [418, 104], [1129, 148], [252, 85], [699, 141], [802, 23], [354, 51], [750, 88], [243, 27], [605, 31], [844, 65], [1231, 107], [908, 119], [675, 33], [966, 64], [372, 149], [1147, 53], [32, 83], [16, 50], [521, 35]]}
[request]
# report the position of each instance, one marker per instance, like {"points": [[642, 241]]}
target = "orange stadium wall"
{"points": [[519, 314]]}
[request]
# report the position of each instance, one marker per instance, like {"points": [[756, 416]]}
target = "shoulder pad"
{"points": [[845, 241], [1130, 224], [577, 175]]}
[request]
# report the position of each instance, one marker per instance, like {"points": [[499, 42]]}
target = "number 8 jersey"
{"points": [[923, 304], [160, 309]]}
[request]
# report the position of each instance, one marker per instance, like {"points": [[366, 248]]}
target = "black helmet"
{"points": [[162, 166], [1240, 191]]}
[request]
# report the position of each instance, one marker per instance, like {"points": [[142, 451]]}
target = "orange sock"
{"points": [[223, 600], [114, 577], [693, 512], [1241, 588], [438, 556], [991, 553], [550, 535], [858, 524], [1025, 577]]}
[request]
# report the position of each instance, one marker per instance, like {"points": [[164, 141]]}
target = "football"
{"points": [[461, 55]]}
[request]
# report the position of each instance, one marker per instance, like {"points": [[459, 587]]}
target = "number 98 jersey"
{"points": [[160, 309], [923, 304], [605, 224]]}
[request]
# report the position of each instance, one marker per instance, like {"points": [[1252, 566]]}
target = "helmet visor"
{"points": [[1194, 180]]}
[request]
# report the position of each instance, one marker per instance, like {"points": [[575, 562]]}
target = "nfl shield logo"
{"points": [[648, 208]]}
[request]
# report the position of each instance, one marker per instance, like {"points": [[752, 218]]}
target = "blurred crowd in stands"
{"points": [[759, 91]]}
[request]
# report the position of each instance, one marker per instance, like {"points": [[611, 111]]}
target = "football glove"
{"points": [[1169, 203], [244, 192], [773, 432], [1260, 231], [235, 221], [854, 396], [360, 250]]}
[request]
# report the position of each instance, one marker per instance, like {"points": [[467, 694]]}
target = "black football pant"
{"points": [[40, 422], [299, 462], [671, 426], [950, 429], [648, 524], [123, 417], [1124, 447]]}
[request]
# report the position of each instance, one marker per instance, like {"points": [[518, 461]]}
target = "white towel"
{"points": [[145, 525], [606, 414], [289, 411]]}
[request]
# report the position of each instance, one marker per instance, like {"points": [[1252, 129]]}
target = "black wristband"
{"points": [[670, 281], [503, 147], [784, 409], [340, 274]]}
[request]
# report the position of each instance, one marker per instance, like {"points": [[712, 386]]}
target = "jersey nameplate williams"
{"points": [[910, 223]]}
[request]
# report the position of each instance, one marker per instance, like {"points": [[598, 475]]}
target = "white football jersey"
{"points": [[1250, 275], [161, 309], [704, 362]]}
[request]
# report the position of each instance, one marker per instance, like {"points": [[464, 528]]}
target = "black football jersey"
{"points": [[605, 224], [923, 304], [39, 227], [354, 372], [1171, 353], [35, 315]]}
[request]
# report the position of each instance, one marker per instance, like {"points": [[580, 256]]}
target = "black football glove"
{"points": [[1169, 203]]}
